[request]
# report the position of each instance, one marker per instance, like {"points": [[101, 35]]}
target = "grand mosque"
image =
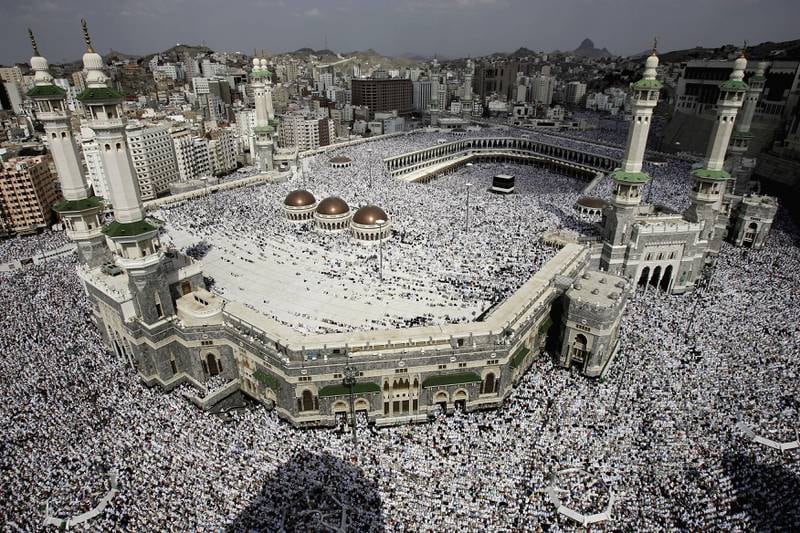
{"points": [[151, 304]]}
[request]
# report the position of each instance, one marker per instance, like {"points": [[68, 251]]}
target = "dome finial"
{"points": [[86, 36], [744, 50], [33, 43], [655, 45]]}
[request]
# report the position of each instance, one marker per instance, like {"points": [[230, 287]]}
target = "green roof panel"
{"points": [[719, 175], [46, 91], [733, 85], [131, 229], [79, 205], [99, 94], [630, 177], [644, 84]]}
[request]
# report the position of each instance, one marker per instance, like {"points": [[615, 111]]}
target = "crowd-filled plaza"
{"points": [[659, 432]]}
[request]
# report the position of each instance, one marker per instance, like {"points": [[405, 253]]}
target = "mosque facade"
{"points": [[153, 311]]}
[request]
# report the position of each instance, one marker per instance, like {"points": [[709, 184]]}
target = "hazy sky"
{"points": [[453, 28]]}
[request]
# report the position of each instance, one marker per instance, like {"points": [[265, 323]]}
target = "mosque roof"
{"points": [[99, 94], [630, 177], [42, 91], [733, 85], [647, 84], [340, 159], [704, 173], [369, 215], [299, 198], [332, 205]]}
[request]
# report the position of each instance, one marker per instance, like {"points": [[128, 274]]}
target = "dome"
{"points": [[332, 205], [340, 159], [299, 198], [369, 215]]}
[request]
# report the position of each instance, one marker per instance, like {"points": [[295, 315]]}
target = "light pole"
{"points": [[349, 381], [380, 222], [467, 222]]}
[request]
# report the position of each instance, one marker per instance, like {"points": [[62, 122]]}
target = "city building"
{"points": [[93, 163], [575, 93], [27, 192], [191, 154], [391, 94], [153, 154]]}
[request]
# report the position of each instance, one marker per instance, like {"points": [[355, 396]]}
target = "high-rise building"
{"points": [[222, 151], [11, 74], [153, 155], [27, 192], [93, 163], [297, 131], [575, 93], [422, 95], [191, 154], [542, 89], [391, 94]]}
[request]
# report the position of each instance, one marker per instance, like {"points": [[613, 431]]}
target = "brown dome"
{"points": [[592, 203], [332, 205], [369, 215], [299, 198]]}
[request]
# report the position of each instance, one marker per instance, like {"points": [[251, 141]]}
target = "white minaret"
{"points": [[265, 115], [645, 98], [81, 212], [105, 116], [710, 181], [740, 139], [629, 180], [731, 98]]}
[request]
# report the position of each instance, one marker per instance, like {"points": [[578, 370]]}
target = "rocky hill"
{"points": [[587, 49]]}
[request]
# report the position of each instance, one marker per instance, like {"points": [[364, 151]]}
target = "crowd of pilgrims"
{"points": [[451, 266], [659, 432]]}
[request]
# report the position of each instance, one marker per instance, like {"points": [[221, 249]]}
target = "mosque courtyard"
{"points": [[443, 264]]}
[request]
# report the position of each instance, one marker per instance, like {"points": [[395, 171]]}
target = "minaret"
{"points": [[629, 180], [710, 180], [740, 139], [131, 237], [265, 115], [81, 211]]}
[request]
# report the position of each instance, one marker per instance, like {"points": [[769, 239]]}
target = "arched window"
{"points": [[108, 147]]}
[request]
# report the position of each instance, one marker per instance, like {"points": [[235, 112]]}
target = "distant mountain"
{"points": [[785, 50], [587, 49], [522, 52]]}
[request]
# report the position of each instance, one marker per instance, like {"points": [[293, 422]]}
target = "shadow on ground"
{"points": [[767, 493], [314, 492]]}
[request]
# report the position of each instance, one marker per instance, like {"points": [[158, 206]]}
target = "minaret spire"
{"points": [[86, 36], [33, 43]]}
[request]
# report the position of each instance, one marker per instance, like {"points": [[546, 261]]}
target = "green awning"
{"points": [[451, 379], [268, 380], [363, 387], [519, 356]]}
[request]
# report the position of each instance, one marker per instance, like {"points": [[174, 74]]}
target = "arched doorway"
{"points": [[460, 400], [307, 401], [441, 400], [750, 235], [579, 349], [644, 277], [211, 363], [656, 276], [666, 279], [488, 384]]}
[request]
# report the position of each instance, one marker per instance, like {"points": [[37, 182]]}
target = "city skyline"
{"points": [[450, 28]]}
